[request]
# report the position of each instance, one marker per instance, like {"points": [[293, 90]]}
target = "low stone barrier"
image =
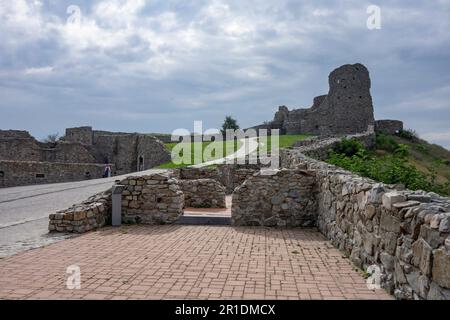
{"points": [[388, 126], [285, 198], [203, 193], [229, 175], [403, 234], [233, 175], [318, 148], [198, 173], [89, 215], [152, 199]]}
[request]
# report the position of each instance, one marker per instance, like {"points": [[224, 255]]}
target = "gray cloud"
{"points": [[153, 66]]}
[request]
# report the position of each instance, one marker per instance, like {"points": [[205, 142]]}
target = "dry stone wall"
{"points": [[229, 175], [91, 214], [406, 234], [203, 193], [152, 199], [318, 148], [388, 126], [284, 198]]}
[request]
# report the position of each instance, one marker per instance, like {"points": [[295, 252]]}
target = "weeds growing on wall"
{"points": [[391, 168]]}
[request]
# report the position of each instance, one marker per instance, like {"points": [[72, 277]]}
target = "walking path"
{"points": [[24, 210], [187, 262], [248, 146]]}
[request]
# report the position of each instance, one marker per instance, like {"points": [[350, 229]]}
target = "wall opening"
{"points": [[140, 163], [2, 174], [40, 175]]}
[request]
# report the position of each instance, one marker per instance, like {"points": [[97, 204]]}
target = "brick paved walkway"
{"points": [[193, 262]]}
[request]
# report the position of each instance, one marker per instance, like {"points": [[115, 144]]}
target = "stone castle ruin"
{"points": [[81, 154], [404, 234], [346, 109]]}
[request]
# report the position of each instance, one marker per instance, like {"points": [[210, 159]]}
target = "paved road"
{"points": [[24, 210]]}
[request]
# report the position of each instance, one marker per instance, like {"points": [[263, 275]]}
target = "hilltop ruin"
{"points": [[346, 109]]}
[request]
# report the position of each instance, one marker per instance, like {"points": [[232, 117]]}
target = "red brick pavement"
{"points": [[187, 262]]}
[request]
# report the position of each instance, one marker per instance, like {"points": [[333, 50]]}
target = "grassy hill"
{"points": [[402, 158], [284, 142], [424, 156]]}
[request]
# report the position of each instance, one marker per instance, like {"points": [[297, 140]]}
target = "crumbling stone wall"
{"points": [[124, 150], [149, 199], [388, 126], [190, 173], [285, 198], [406, 234], [19, 173], [203, 193], [21, 146], [81, 135], [346, 109], [234, 175], [229, 175], [81, 146], [319, 148], [89, 215], [152, 199]]}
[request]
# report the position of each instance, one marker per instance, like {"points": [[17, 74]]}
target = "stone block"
{"points": [[370, 211], [441, 268], [438, 293], [79, 215], [444, 224], [431, 236], [389, 223], [388, 261], [406, 204], [390, 198], [422, 253]]}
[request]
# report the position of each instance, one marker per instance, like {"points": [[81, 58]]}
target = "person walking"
{"points": [[107, 171]]}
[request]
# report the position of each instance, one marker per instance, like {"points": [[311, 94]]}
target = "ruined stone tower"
{"points": [[346, 109]]}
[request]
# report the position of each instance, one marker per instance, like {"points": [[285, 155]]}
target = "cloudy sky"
{"points": [[157, 65]]}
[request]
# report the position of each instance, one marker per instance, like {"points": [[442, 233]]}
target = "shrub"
{"points": [[390, 169], [384, 142], [408, 134], [348, 147], [402, 150]]}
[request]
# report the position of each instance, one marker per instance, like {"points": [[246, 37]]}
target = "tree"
{"points": [[52, 138], [229, 123]]}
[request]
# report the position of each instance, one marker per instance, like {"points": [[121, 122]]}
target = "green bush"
{"points": [[349, 147], [402, 151], [390, 169], [408, 134], [384, 142], [422, 149]]}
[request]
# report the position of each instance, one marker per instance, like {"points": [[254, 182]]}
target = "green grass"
{"points": [[397, 159], [228, 149], [424, 156], [285, 141]]}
